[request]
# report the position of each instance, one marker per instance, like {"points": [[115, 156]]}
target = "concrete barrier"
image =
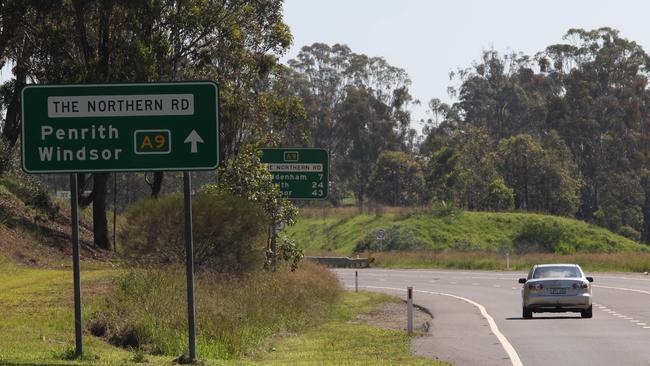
{"points": [[341, 262]]}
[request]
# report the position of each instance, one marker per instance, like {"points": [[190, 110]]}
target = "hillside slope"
{"points": [[35, 230], [333, 231]]}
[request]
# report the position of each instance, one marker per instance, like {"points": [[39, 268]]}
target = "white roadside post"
{"points": [[409, 310], [508, 261], [356, 281]]}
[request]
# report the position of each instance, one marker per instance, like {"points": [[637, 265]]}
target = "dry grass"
{"points": [[624, 262], [351, 211], [235, 315]]}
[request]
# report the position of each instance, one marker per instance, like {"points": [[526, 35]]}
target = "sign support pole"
{"points": [[74, 208], [189, 252]]}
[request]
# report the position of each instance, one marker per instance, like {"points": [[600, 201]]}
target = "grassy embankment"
{"points": [[470, 240], [238, 320], [37, 328]]}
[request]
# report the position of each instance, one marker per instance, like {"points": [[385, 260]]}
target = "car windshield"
{"points": [[556, 272]]}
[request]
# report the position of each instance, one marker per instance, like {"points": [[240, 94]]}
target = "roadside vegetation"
{"points": [[235, 315], [443, 237]]}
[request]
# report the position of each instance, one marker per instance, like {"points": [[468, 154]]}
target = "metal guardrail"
{"points": [[342, 262]]}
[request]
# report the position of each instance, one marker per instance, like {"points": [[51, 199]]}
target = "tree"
{"points": [[543, 177], [604, 107], [396, 180], [356, 107], [233, 43]]}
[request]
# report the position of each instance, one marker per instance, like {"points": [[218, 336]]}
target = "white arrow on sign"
{"points": [[193, 139]]}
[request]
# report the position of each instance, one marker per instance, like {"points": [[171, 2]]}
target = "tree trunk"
{"points": [[156, 184], [645, 230], [100, 223]]}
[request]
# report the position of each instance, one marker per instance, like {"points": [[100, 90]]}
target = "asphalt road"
{"points": [[464, 333]]}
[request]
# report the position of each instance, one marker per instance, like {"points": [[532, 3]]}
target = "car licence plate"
{"points": [[558, 291]]}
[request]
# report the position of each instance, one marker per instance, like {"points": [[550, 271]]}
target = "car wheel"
{"points": [[527, 314], [587, 313]]}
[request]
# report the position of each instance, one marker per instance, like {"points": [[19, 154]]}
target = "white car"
{"points": [[556, 288]]}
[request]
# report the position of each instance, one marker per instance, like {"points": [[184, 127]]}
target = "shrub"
{"points": [[235, 314], [397, 239], [629, 232], [229, 232], [542, 237]]}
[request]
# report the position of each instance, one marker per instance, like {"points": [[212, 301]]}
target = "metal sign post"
{"points": [[189, 261], [74, 216]]}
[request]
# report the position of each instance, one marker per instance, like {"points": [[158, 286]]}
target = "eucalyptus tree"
{"points": [[232, 42], [603, 117], [357, 106]]}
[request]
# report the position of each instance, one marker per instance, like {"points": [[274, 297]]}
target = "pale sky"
{"points": [[431, 38]]}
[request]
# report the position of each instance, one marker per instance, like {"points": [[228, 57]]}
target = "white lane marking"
{"points": [[623, 289], [497, 286], [641, 324], [635, 321], [510, 350], [646, 327]]}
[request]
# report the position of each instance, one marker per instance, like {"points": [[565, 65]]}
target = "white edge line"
{"points": [[623, 289], [510, 350]]}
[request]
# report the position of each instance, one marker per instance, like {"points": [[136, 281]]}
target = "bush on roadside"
{"points": [[229, 232], [235, 314], [397, 238], [629, 232], [543, 237]]}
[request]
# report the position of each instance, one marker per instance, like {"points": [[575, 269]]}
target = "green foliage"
{"points": [[289, 252], [629, 232], [249, 179], [398, 238], [542, 237], [499, 196], [442, 174], [396, 180], [228, 231], [543, 177]]}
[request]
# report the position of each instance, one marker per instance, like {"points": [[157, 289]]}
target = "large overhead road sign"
{"points": [[301, 173], [120, 127]]}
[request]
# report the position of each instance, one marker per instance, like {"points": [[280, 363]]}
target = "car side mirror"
{"points": [[522, 280], [590, 279]]}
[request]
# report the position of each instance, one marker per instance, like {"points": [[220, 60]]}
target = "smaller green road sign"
{"points": [[301, 173], [120, 127]]}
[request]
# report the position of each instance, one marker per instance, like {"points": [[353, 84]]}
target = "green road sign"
{"points": [[120, 127], [301, 173]]}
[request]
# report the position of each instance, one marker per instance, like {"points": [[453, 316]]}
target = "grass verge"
{"points": [[343, 340], [235, 315], [37, 328], [37, 322]]}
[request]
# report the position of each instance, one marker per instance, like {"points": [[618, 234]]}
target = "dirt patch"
{"points": [[392, 315], [34, 238]]}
